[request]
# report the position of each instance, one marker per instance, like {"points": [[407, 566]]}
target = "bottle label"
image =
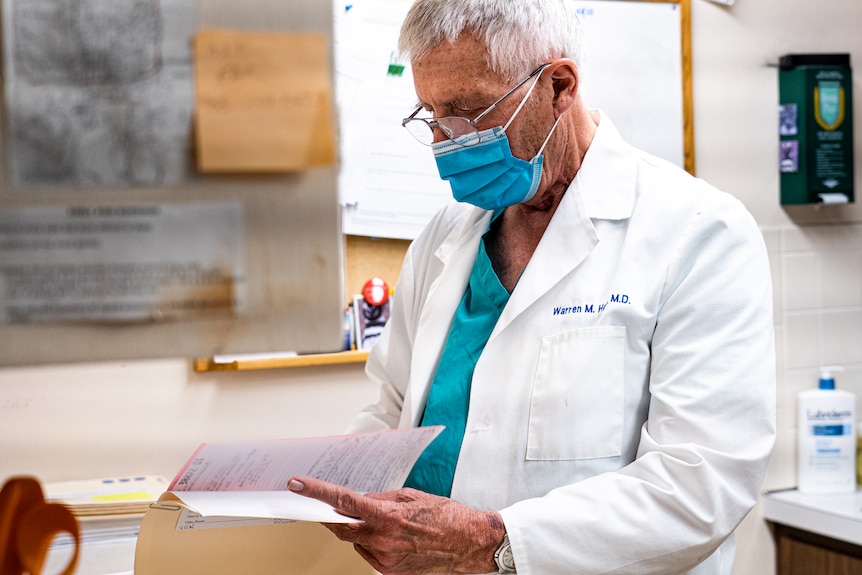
{"points": [[828, 414], [832, 430]]}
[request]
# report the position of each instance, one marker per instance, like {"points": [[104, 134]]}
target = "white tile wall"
{"points": [[817, 275]]}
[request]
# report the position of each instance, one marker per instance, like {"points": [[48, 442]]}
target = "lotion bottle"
{"points": [[826, 455]]}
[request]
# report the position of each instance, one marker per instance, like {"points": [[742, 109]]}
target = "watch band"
{"points": [[503, 557]]}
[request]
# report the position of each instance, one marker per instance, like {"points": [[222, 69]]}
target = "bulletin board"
{"points": [[99, 153]]}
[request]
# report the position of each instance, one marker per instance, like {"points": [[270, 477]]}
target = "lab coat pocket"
{"points": [[576, 410]]}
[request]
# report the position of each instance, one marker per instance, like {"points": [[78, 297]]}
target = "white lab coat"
{"points": [[622, 413]]}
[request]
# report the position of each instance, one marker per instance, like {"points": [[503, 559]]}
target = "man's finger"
{"points": [[343, 500]]}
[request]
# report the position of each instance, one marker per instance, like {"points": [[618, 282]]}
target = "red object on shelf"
{"points": [[375, 291]]}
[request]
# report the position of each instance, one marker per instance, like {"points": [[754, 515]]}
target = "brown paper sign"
{"points": [[263, 101]]}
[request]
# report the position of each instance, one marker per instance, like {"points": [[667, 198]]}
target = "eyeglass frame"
{"points": [[463, 140]]}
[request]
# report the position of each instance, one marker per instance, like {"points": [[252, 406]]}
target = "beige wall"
{"points": [[88, 420], [129, 418], [815, 254]]}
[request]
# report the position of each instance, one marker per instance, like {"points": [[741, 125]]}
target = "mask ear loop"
{"points": [[547, 139], [523, 101], [521, 105]]}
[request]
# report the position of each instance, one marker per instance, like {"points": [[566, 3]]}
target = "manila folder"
{"points": [[299, 548]]}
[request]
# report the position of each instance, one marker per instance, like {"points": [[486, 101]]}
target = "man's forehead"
{"points": [[457, 85], [467, 97]]}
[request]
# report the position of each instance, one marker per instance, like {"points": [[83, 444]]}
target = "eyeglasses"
{"points": [[461, 130]]}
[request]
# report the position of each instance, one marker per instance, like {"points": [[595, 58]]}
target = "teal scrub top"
{"points": [[449, 397]]}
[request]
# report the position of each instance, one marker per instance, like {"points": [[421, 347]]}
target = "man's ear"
{"points": [[566, 83]]}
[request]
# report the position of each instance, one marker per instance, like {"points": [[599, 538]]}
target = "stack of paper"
{"points": [[106, 509], [113, 496]]}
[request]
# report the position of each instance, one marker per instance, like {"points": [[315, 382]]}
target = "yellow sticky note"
{"points": [[133, 496], [263, 101]]}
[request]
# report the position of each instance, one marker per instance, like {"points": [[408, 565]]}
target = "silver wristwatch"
{"points": [[503, 557]]}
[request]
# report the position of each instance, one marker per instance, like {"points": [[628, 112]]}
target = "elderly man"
{"points": [[591, 324]]}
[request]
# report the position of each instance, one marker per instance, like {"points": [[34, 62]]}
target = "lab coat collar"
{"points": [[454, 256], [606, 178], [473, 223], [604, 188]]}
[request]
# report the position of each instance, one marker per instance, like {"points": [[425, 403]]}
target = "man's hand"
{"points": [[409, 532]]}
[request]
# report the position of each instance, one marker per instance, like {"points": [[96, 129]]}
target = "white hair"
{"points": [[519, 34]]}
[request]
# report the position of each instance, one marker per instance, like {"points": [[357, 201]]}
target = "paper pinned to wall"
{"points": [[263, 101], [98, 93], [121, 263], [388, 184]]}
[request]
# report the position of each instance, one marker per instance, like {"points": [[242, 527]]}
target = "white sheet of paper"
{"points": [[191, 520], [268, 504], [249, 479]]}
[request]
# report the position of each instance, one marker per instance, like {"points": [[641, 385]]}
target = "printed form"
{"points": [[249, 479]]}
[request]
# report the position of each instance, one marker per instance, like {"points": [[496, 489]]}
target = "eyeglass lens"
{"points": [[456, 129], [461, 130]]}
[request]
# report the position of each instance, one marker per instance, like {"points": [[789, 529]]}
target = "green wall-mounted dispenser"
{"points": [[815, 128]]}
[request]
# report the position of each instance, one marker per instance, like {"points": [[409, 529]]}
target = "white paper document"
{"points": [[121, 263], [249, 479], [190, 520], [261, 504]]}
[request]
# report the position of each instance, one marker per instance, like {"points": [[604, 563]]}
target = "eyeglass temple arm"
{"points": [[494, 105], [411, 116], [509, 93]]}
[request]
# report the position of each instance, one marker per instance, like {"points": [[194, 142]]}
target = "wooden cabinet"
{"points": [[804, 553], [816, 534]]}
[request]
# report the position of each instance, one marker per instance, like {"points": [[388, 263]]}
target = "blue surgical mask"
{"points": [[486, 174]]}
